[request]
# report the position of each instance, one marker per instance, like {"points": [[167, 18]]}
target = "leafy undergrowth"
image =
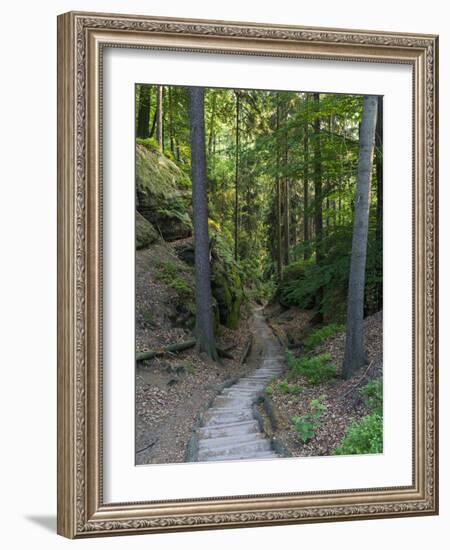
{"points": [[366, 435], [323, 414], [320, 335], [316, 369]]}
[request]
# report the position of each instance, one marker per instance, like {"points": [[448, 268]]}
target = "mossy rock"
{"points": [[163, 193], [227, 290], [146, 234]]}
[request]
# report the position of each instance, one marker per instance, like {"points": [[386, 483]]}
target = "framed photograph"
{"points": [[247, 274]]}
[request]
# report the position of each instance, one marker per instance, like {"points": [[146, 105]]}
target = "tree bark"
{"points": [[204, 331], [286, 205], [318, 219], [236, 180], [159, 117], [306, 186], [153, 128], [379, 180], [354, 356], [171, 129], [143, 122], [278, 196]]}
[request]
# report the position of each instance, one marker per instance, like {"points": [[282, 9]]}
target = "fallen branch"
{"points": [[147, 447], [353, 388], [180, 346]]}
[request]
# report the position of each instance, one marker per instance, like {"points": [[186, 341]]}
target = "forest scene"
{"points": [[259, 274]]}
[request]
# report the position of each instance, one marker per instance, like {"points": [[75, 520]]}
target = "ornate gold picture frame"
{"points": [[82, 38]]}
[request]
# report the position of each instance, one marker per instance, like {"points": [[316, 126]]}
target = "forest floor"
{"points": [[172, 390], [343, 400]]}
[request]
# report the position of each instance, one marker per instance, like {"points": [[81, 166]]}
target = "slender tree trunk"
{"points": [[171, 132], [306, 186], [278, 197], [236, 180], [152, 129], [286, 206], [318, 219], [354, 356], [204, 330], [143, 122], [159, 117], [379, 180]]}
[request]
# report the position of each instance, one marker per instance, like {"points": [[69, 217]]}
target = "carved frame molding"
{"points": [[81, 37]]}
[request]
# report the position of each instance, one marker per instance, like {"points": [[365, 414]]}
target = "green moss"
{"points": [[156, 173], [226, 282], [145, 232], [227, 290], [163, 192]]}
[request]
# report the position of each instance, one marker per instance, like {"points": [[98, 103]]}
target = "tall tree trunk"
{"points": [[171, 130], [204, 329], [278, 197], [159, 117], [143, 122], [236, 180], [286, 205], [152, 129], [354, 356], [379, 180], [318, 220], [306, 186]]}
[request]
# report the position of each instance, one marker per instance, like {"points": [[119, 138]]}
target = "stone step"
{"points": [[230, 441], [232, 401], [227, 410], [245, 384], [223, 430], [213, 418], [241, 394], [243, 449], [262, 377]]}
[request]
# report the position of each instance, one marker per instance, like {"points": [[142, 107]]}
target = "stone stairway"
{"points": [[230, 431]]}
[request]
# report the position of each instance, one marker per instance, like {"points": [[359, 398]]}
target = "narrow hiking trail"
{"points": [[230, 431]]}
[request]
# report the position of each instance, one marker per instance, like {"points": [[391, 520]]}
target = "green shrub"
{"points": [[315, 370], [268, 390], [285, 387], [307, 424], [373, 393], [316, 337], [363, 437]]}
